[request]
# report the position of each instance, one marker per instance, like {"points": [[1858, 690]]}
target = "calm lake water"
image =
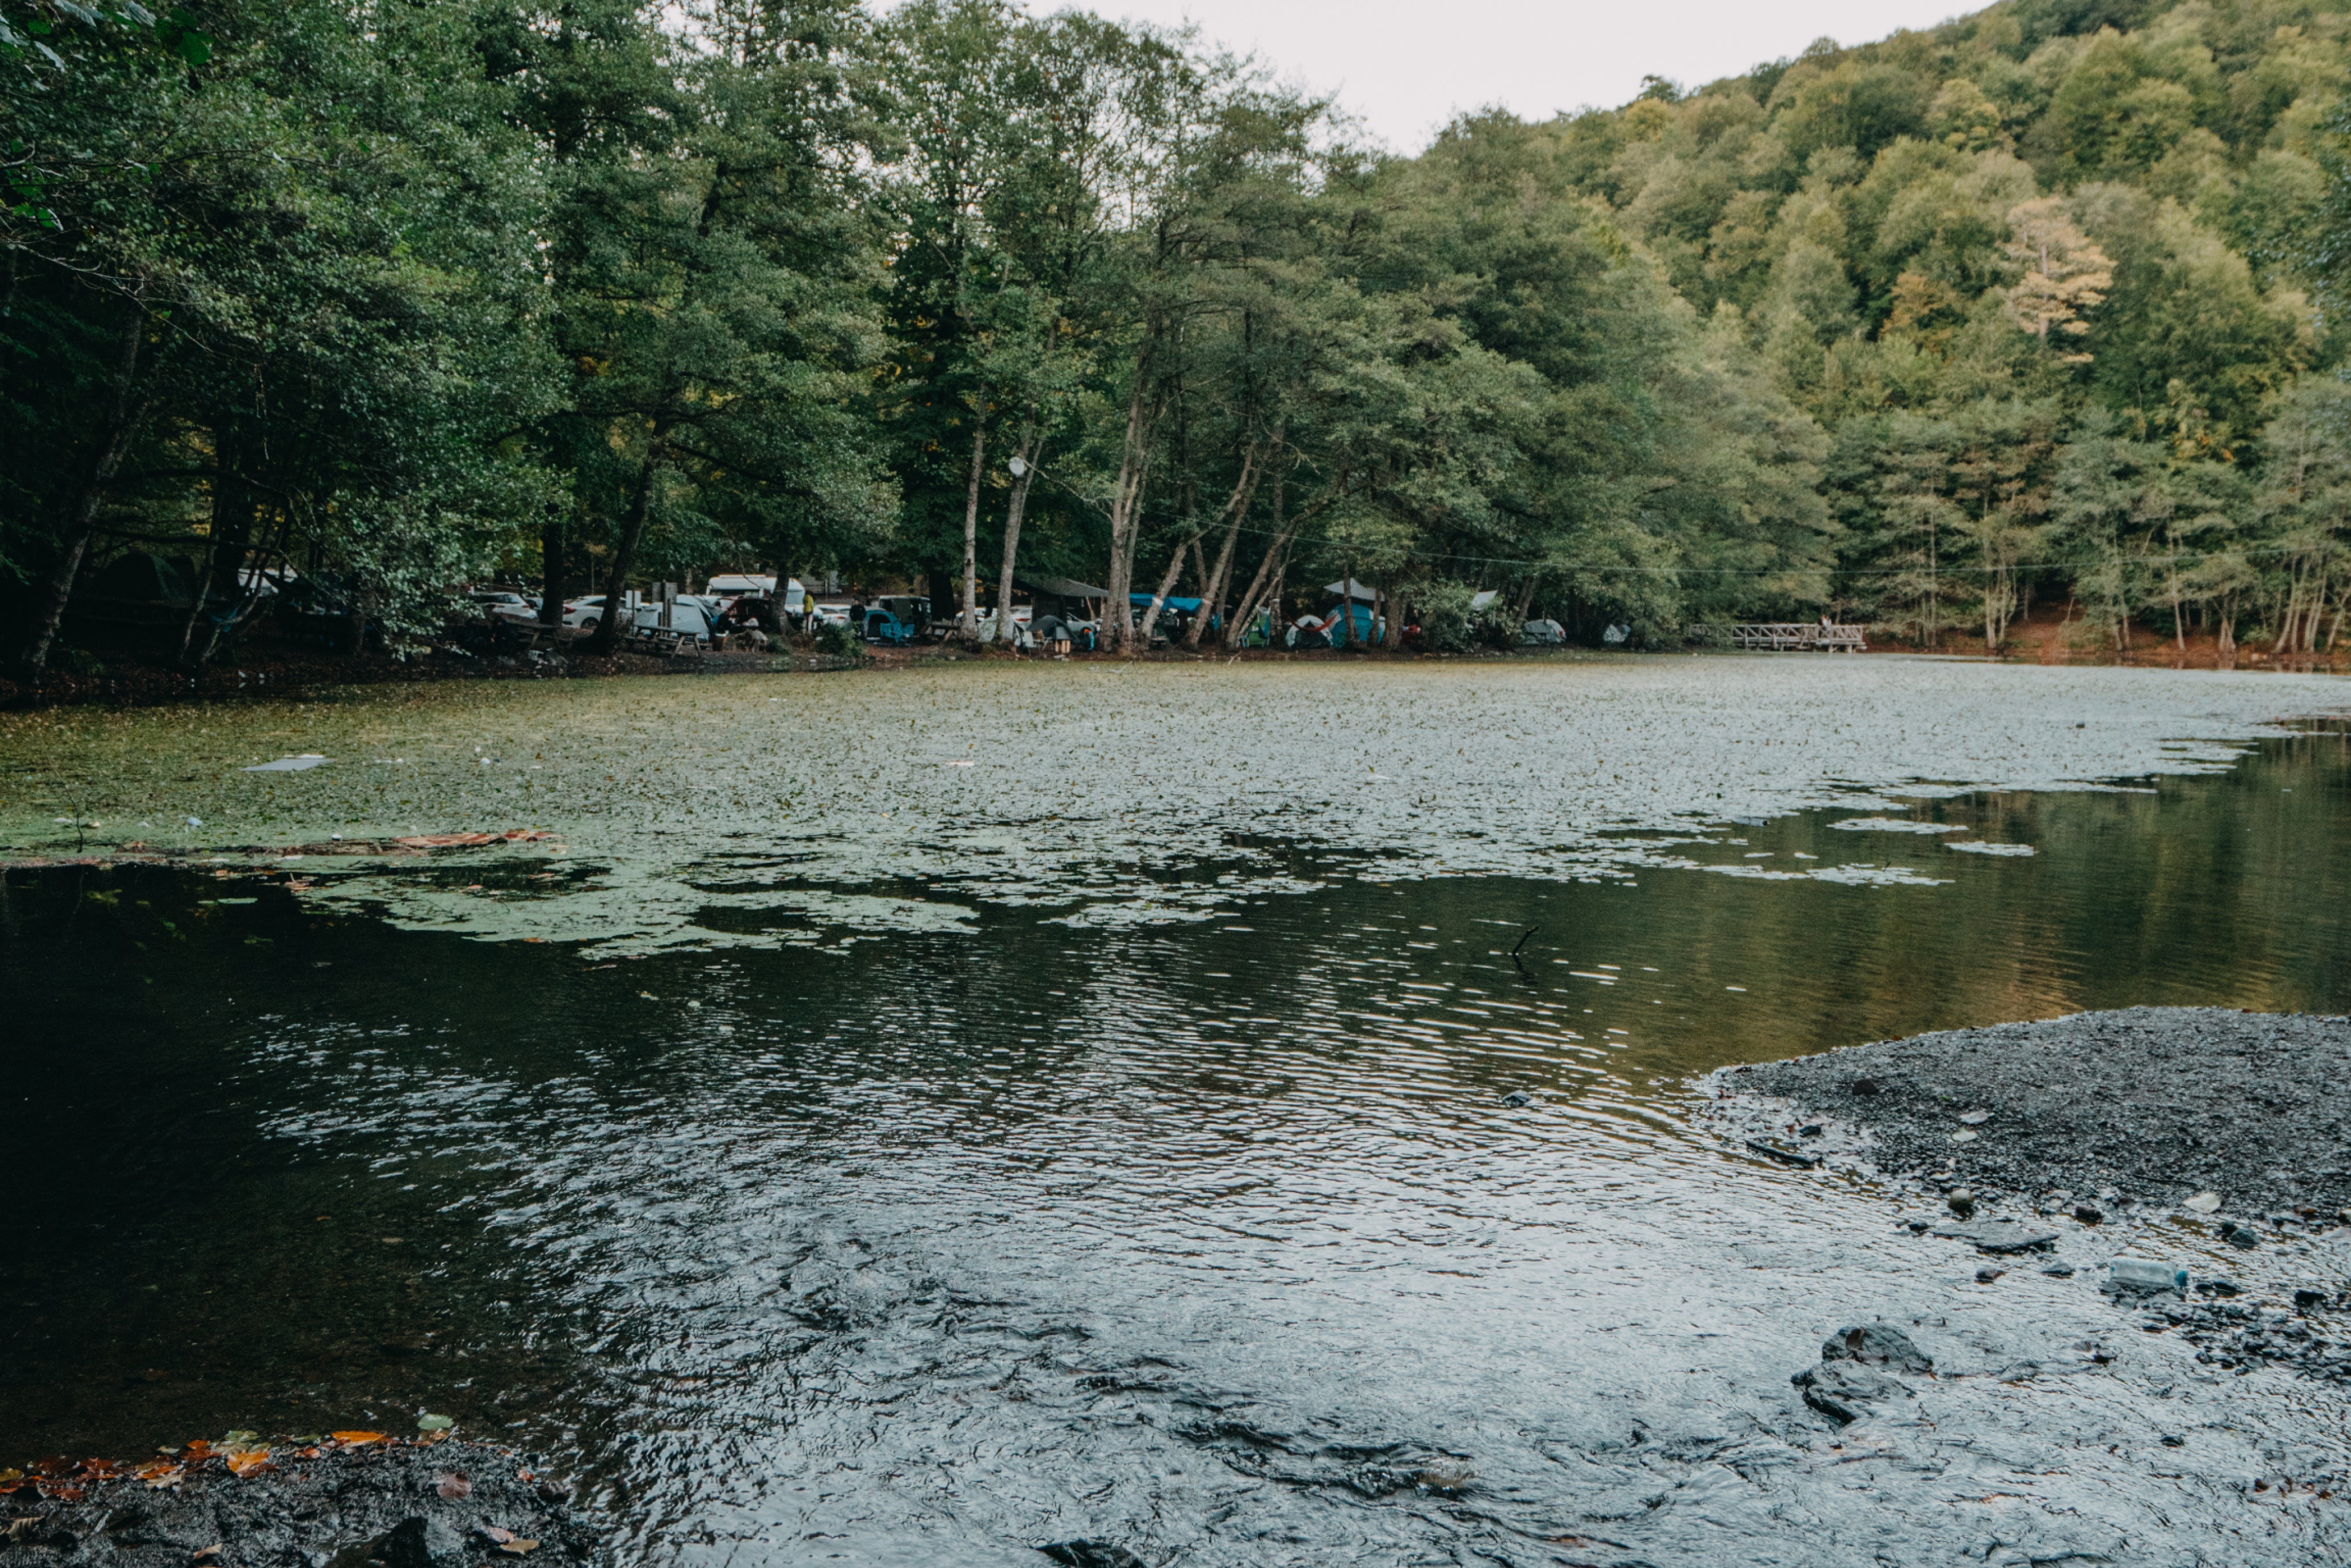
{"points": [[835, 1152]]}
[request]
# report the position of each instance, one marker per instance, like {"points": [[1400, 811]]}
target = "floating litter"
{"points": [[1893, 825], [309, 759], [2204, 1202], [1977, 847]]}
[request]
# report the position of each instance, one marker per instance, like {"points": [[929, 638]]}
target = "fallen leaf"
{"points": [[10, 1478], [436, 1423], [497, 1532], [518, 1546], [213, 1550], [100, 1470], [354, 1440], [455, 1486], [247, 1461], [162, 1475], [201, 1448], [58, 1489]]}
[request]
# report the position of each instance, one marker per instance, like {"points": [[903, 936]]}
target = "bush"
{"points": [[834, 640]]}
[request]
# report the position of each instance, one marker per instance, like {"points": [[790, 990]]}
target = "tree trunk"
{"points": [[122, 419], [969, 627], [232, 528], [1126, 506], [551, 570], [1167, 587], [1032, 441], [607, 636]]}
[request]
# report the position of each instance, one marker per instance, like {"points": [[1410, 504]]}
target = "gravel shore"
{"points": [[448, 1504], [2158, 1104]]}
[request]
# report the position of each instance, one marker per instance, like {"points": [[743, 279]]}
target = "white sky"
{"points": [[1405, 67]]}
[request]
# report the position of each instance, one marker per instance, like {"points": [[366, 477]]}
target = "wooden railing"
{"points": [[1786, 636]]}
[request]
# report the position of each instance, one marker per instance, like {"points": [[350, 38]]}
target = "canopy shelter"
{"points": [[1185, 606], [1061, 599], [1351, 589]]}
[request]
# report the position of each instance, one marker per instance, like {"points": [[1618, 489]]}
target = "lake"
{"points": [[914, 1117]]}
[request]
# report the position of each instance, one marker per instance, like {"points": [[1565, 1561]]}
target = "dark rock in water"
{"points": [[1961, 1201], [1877, 1344], [1786, 1154], [420, 1543], [2307, 1298], [2217, 1286], [1811, 1130], [1862, 1086], [1843, 1392], [2088, 1214], [2059, 1271], [2238, 1236], [1986, 1274], [1092, 1554], [1518, 1097], [1999, 1238]]}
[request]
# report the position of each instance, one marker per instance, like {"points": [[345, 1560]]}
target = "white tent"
{"points": [[1351, 589]]}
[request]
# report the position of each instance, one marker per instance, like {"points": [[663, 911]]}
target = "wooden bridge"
{"points": [[1786, 636]]}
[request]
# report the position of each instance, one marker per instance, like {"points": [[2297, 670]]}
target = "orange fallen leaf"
{"points": [[247, 1461], [100, 1470], [161, 1473], [58, 1489], [518, 1546], [353, 1439], [202, 1448]]}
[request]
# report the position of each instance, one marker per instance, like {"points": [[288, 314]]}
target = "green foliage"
{"points": [[396, 294]]}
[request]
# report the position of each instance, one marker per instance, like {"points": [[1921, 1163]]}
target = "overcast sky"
{"points": [[1405, 67]]}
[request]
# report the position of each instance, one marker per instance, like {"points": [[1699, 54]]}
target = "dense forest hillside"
{"points": [[2040, 306]]}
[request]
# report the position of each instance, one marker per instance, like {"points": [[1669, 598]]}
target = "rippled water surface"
{"points": [[837, 1153]]}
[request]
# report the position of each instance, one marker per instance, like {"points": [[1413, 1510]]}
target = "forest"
{"points": [[2042, 306]]}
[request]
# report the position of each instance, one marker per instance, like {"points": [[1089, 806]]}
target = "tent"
{"points": [[1351, 589]]}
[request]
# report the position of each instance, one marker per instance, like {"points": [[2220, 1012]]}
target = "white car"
{"points": [[584, 613]]}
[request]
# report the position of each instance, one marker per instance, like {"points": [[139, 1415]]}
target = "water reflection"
{"points": [[1215, 1240]]}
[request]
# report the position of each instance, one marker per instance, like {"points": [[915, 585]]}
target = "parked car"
{"points": [[690, 616], [898, 619], [584, 613]]}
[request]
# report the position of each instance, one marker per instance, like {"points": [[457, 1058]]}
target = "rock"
{"points": [[1877, 1344], [2306, 1297], [1786, 1154], [1962, 1201], [1974, 1118], [1986, 1274], [1090, 1554], [2238, 1236], [1811, 1130], [2088, 1214], [2204, 1202], [2059, 1271], [2173, 1440], [1517, 1097], [420, 1543], [1843, 1392], [1862, 1086], [1999, 1238]]}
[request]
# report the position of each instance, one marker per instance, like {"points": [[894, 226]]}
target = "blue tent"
{"points": [[1188, 606]]}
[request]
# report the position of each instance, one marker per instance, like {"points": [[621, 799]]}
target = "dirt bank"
{"points": [[296, 1504], [2156, 1104]]}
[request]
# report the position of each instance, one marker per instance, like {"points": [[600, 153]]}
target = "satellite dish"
{"points": [[1019, 467]]}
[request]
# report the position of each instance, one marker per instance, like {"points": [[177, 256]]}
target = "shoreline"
{"points": [[351, 1497]]}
